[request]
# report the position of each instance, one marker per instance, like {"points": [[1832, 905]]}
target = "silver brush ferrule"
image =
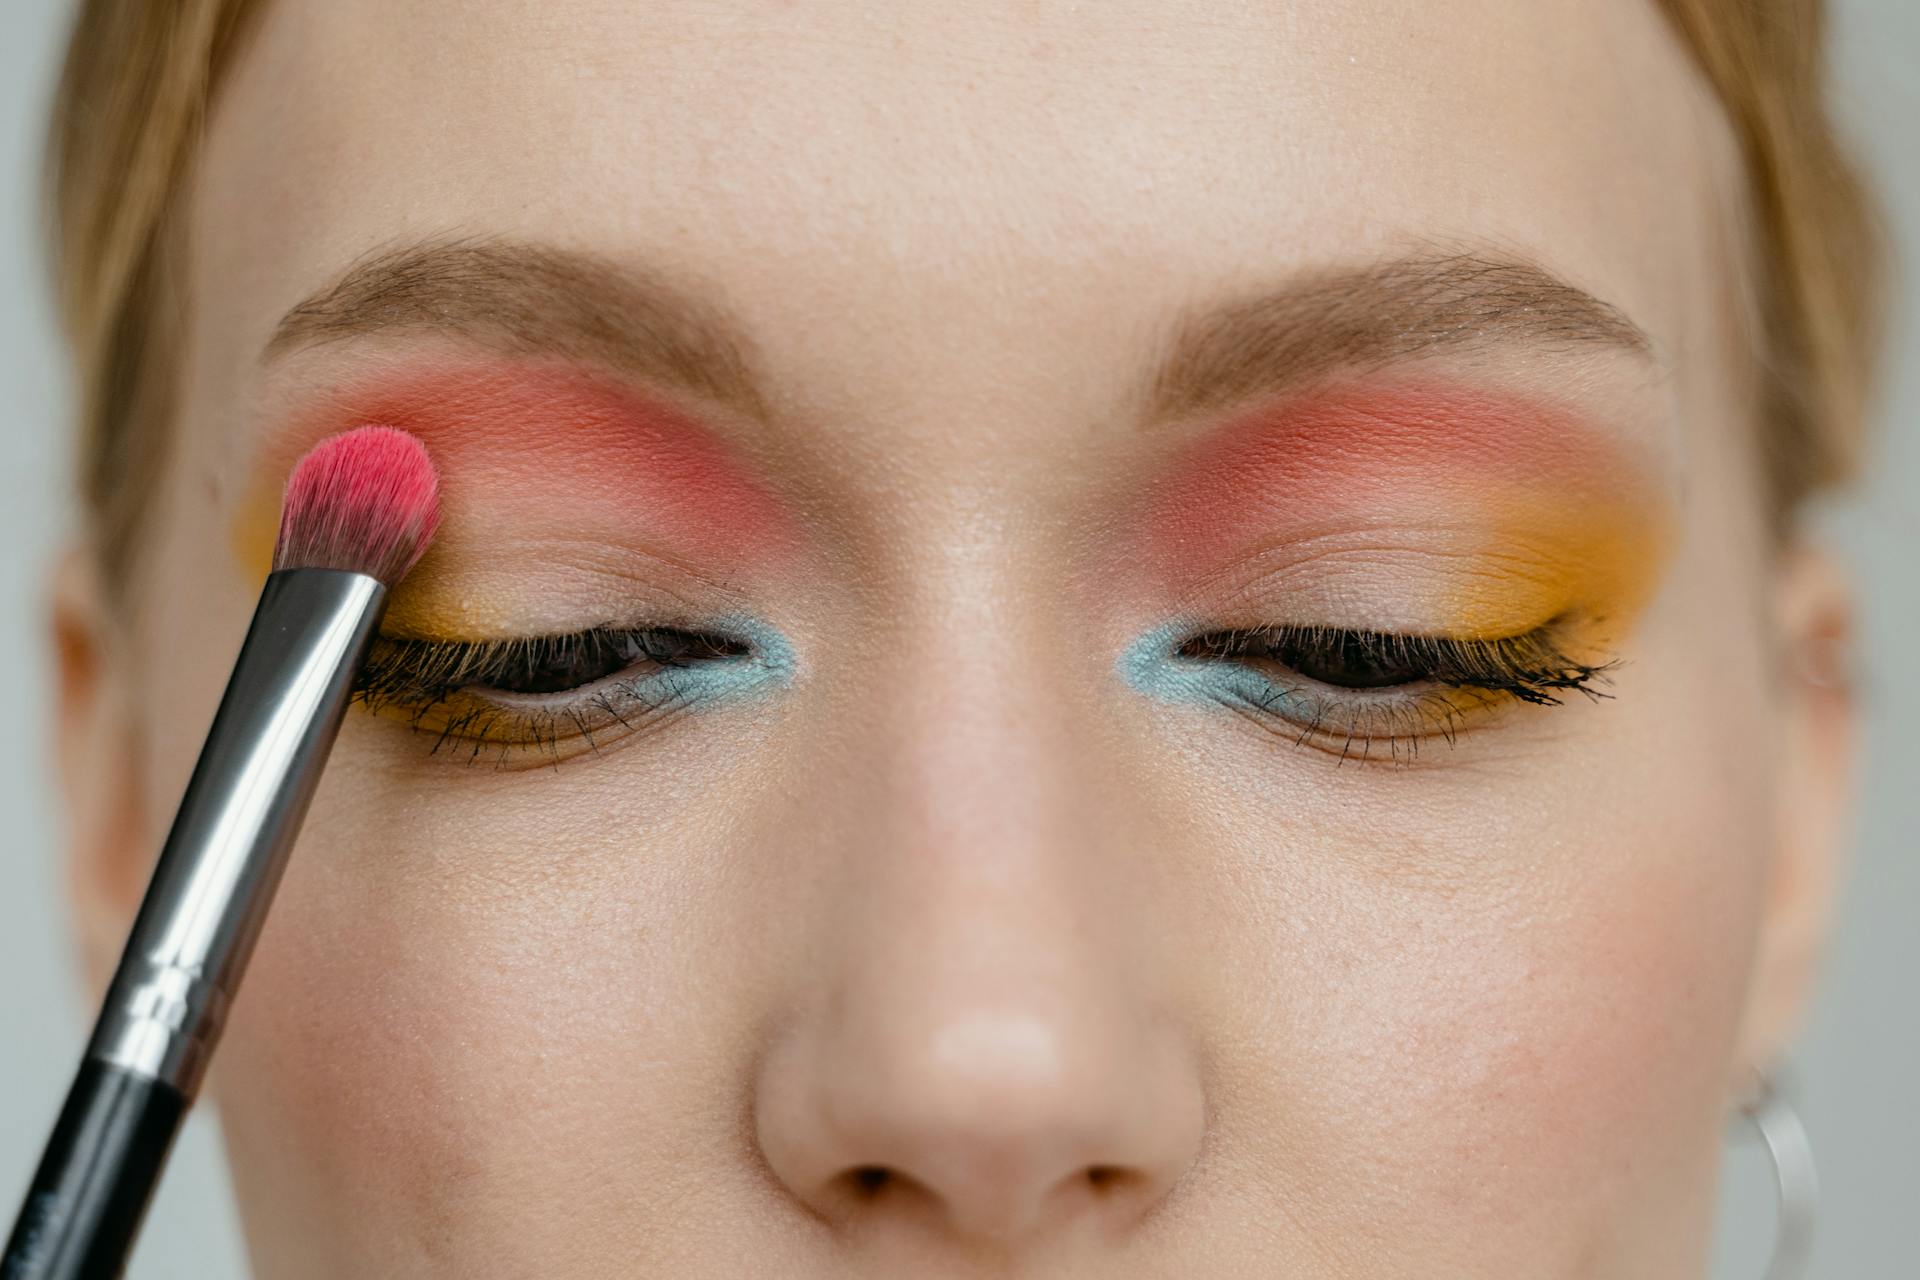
{"points": [[236, 824]]}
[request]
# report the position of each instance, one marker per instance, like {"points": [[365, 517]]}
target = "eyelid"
{"points": [[436, 687], [1530, 664], [402, 668], [1489, 675]]}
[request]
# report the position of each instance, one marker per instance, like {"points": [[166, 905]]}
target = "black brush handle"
{"points": [[99, 1171]]}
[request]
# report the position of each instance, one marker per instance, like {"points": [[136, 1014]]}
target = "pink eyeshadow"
{"points": [[541, 439], [1356, 452]]}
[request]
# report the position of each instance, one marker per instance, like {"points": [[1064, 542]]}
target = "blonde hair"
{"points": [[1820, 251], [127, 121], [133, 101]]}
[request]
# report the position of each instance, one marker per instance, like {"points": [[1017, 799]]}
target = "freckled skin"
{"points": [[957, 900]]}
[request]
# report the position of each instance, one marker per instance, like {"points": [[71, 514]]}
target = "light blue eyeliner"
{"points": [[768, 664], [1153, 665]]}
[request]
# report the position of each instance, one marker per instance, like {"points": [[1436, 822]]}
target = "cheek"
{"points": [[379, 1059], [454, 987], [1518, 1066], [1494, 1006], [395, 1026], [1561, 1042]]}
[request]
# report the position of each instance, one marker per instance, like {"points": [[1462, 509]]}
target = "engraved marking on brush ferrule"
{"points": [[173, 1014]]}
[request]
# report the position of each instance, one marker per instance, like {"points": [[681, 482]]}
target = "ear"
{"points": [[1814, 633], [96, 737]]}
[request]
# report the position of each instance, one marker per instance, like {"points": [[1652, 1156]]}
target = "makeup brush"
{"points": [[358, 512]]}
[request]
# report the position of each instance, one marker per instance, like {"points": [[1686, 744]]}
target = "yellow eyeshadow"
{"points": [[1599, 559], [424, 608], [523, 589], [255, 530]]}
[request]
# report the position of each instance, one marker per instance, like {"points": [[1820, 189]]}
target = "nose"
{"points": [[977, 1049], [990, 1124]]}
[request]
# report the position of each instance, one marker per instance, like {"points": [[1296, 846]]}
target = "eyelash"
{"points": [[1426, 685], [1319, 684], [585, 676]]}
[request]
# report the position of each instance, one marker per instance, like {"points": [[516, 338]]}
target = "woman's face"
{"points": [[976, 826]]}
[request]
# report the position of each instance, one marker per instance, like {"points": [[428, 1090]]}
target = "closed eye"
{"points": [[547, 693], [1377, 695], [1530, 666]]}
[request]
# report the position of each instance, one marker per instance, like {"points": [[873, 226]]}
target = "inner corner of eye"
{"points": [[1220, 642], [712, 647], [1205, 645]]}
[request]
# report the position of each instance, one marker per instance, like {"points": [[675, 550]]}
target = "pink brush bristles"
{"points": [[366, 501]]}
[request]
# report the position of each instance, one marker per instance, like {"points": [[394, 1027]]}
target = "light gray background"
{"points": [[1860, 1062]]}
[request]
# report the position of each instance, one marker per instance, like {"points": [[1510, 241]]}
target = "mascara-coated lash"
{"points": [[1368, 694], [551, 695]]}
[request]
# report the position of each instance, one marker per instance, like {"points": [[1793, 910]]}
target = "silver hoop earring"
{"points": [[1767, 1109]]}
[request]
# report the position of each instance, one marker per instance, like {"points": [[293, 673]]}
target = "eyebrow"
{"points": [[1371, 316], [529, 299], [535, 300]]}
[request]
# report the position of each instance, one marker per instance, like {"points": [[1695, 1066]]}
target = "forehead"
{"points": [[1024, 166]]}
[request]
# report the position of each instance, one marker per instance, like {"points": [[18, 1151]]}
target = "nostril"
{"points": [[869, 1180]]}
